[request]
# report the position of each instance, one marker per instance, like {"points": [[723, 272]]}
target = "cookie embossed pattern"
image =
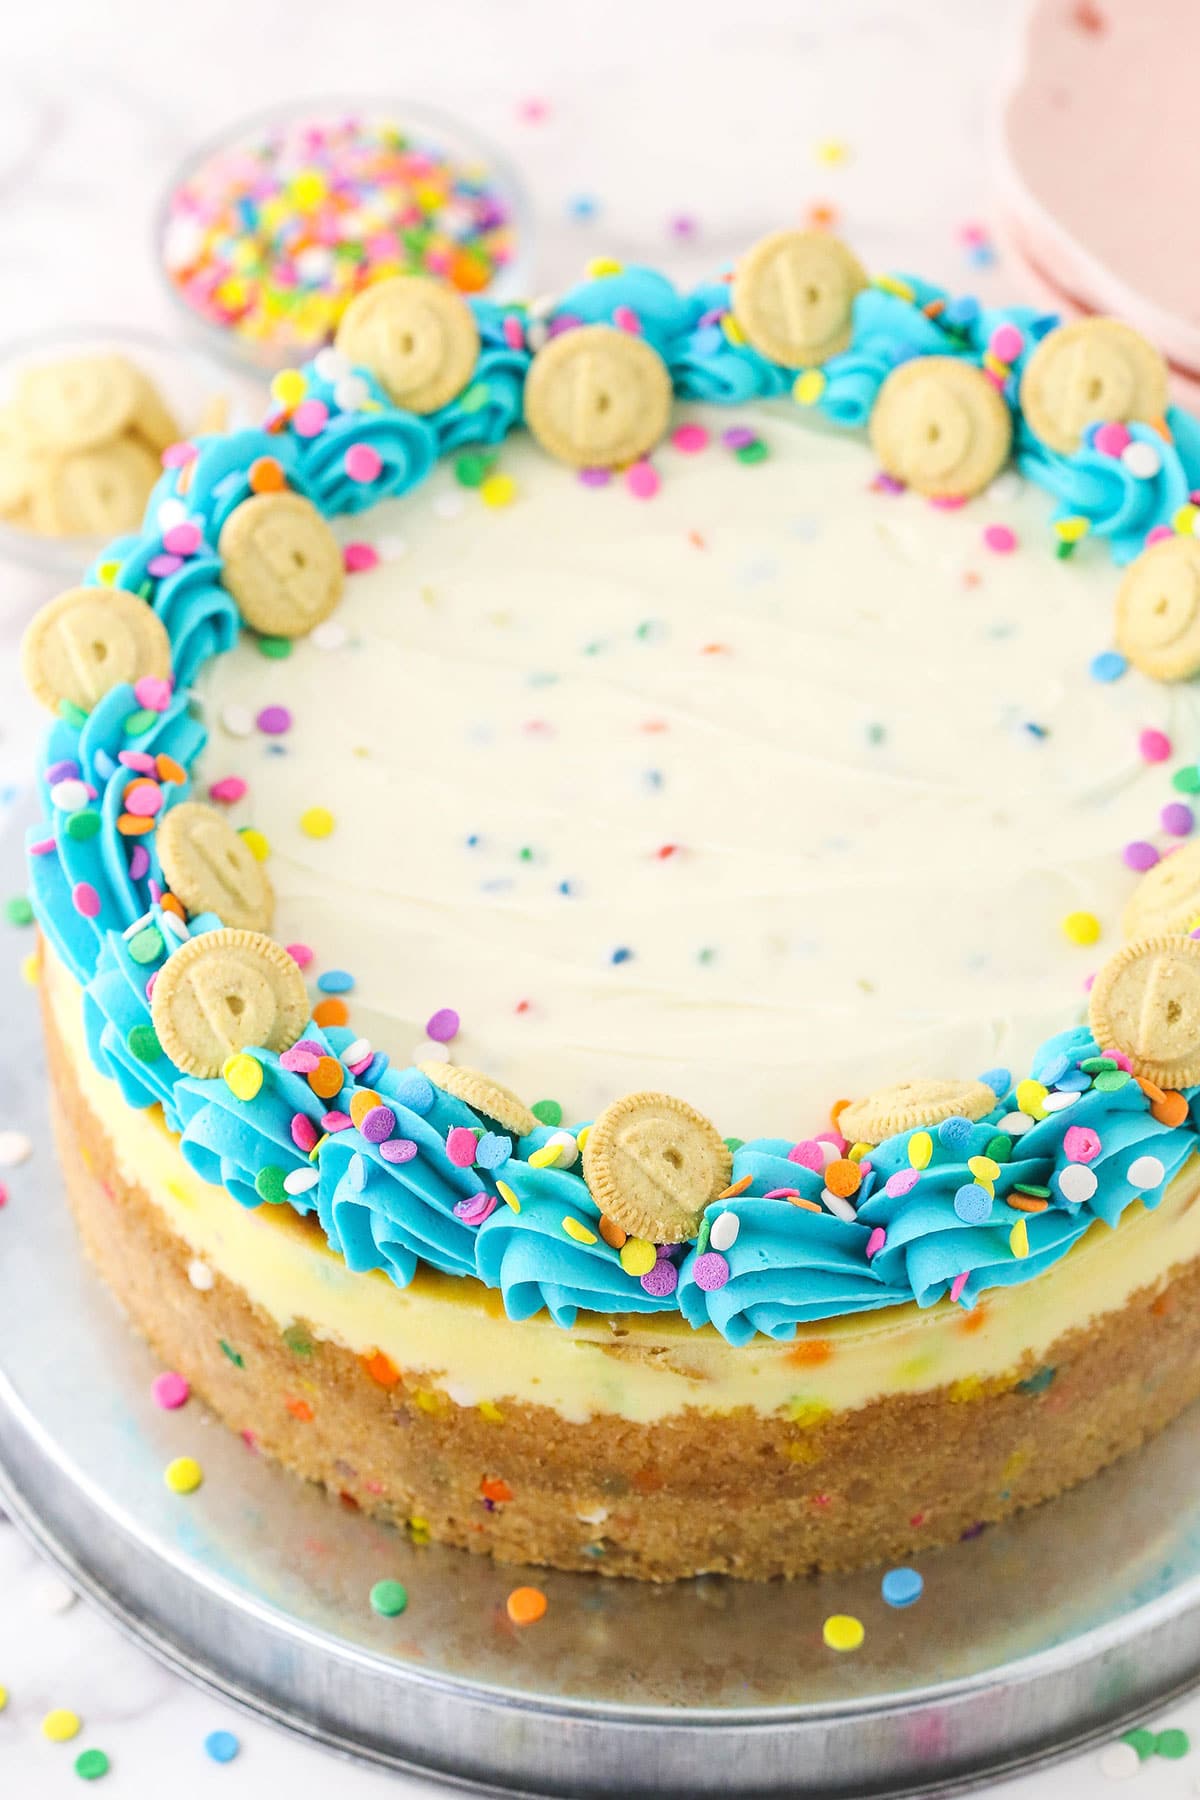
{"points": [[931, 1204]]}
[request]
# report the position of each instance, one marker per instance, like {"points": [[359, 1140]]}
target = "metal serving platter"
{"points": [[1060, 1626]]}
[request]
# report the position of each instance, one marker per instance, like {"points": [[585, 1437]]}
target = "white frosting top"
{"points": [[764, 791]]}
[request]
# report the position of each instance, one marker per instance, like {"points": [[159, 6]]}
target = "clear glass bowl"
{"points": [[423, 124], [187, 380]]}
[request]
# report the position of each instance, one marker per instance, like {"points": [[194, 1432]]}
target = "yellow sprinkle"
{"points": [[428, 1401], [920, 1149], [31, 968], [243, 1075], [546, 1157], [61, 1724], [1030, 1095], [1018, 1239], [418, 1530], [107, 573], [288, 388], [843, 1632], [256, 843], [983, 1168], [964, 1391], [994, 364], [832, 150], [891, 284], [807, 1413], [1184, 520], [3, 1697], [184, 1475], [579, 1232], [732, 330], [604, 265], [316, 822], [1073, 530], [308, 189], [1081, 927], [637, 1256], [808, 387], [498, 490], [491, 1412], [856, 1152], [507, 1195], [581, 1136]]}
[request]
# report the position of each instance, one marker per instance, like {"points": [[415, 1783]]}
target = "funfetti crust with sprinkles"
{"points": [[617, 892]]}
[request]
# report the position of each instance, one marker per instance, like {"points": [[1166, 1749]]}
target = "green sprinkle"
{"points": [[389, 1598], [706, 955], [755, 452], [475, 398], [1038, 1382], [1172, 1744], [999, 1148], [1063, 550], [472, 469], [525, 854], [139, 722], [1187, 779], [74, 715], [146, 590], [235, 1356], [1027, 1187], [18, 910], [298, 1341], [732, 1144], [146, 946], [876, 733], [143, 1043], [1111, 1082], [277, 648], [1097, 1065], [548, 1111], [1141, 1741], [90, 1765], [83, 825], [702, 1235], [268, 1185]]}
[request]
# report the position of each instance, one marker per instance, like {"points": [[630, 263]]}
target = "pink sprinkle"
{"points": [[359, 557], [1000, 538], [1081, 1143], [144, 802], [85, 899], [1158, 535], [1139, 855], [362, 1065], [301, 1059], [336, 1121], [139, 862], [875, 1242], [949, 502], [957, 1285], [304, 1133], [835, 1138], [1121, 1059], [690, 438], [162, 566], [274, 720], [43, 847], [183, 539], [176, 456], [152, 692], [138, 761], [476, 1209], [229, 789], [301, 954], [443, 1026], [1155, 746], [1177, 819], [3, 1195], [461, 1144], [782, 1194], [310, 418], [363, 462], [1111, 438], [901, 1183], [809, 1154], [625, 319], [514, 332], [641, 478], [1006, 343], [398, 1150], [170, 1390]]}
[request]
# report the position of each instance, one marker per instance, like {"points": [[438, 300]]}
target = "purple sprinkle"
{"points": [[274, 720], [713, 316], [738, 436], [398, 1150], [475, 1210], [663, 1279], [378, 1124], [710, 1271], [139, 862], [1177, 818], [595, 478], [887, 484], [564, 321], [62, 771], [902, 1182], [161, 566], [1140, 855], [443, 1026]]}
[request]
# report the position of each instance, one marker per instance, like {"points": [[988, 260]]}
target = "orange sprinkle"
{"points": [[129, 825], [697, 538], [361, 1103], [1164, 1304], [806, 1353], [715, 650], [331, 1011], [1148, 1088], [381, 1368], [973, 1321], [170, 904], [169, 769], [647, 1481], [805, 1205], [300, 1409], [821, 216], [739, 1187], [496, 1489], [526, 1605], [836, 1111], [326, 1079], [613, 1234], [1172, 1109], [843, 1177], [1027, 1203], [266, 476], [933, 308]]}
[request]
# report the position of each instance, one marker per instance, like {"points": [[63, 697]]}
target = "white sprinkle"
{"points": [[830, 1152], [541, 306], [299, 1181], [238, 721], [1145, 1172], [351, 392], [390, 547], [314, 263], [356, 1052], [725, 1228], [15, 1148], [1008, 486], [448, 506], [428, 1051], [1077, 1183], [1015, 1124], [1059, 1102], [69, 796], [839, 1206], [174, 927], [54, 1596], [568, 1149], [1119, 1761], [171, 512], [1142, 460], [328, 635], [200, 1275], [331, 365]]}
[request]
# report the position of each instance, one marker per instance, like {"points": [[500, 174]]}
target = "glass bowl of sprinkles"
{"points": [[265, 234]]}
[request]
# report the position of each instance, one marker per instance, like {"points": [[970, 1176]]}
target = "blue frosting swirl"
{"points": [[1118, 504]]}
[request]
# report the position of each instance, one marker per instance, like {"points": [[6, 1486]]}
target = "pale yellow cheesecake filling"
{"points": [[452, 1335]]}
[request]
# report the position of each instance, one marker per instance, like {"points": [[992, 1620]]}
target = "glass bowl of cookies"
{"points": [[85, 415]]}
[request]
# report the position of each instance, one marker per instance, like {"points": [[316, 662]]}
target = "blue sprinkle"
{"points": [[962, 311], [416, 1092], [582, 207], [981, 256], [222, 1746], [1038, 1382], [1036, 730], [621, 954], [564, 887], [335, 981], [973, 1204], [999, 1080], [1110, 665], [707, 339], [1074, 1083], [104, 764], [473, 840], [493, 1150], [357, 1172], [654, 778], [1048, 1072], [901, 1587], [955, 1133]]}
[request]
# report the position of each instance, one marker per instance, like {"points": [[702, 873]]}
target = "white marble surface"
{"points": [[654, 108]]}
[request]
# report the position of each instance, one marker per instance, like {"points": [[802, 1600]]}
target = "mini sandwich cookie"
{"points": [[482, 1095], [942, 427], [88, 641], [418, 338], [1092, 371], [793, 297], [1158, 610], [227, 991], [211, 869], [652, 1164], [906, 1104], [282, 564], [1167, 898], [1145, 1002], [597, 398]]}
